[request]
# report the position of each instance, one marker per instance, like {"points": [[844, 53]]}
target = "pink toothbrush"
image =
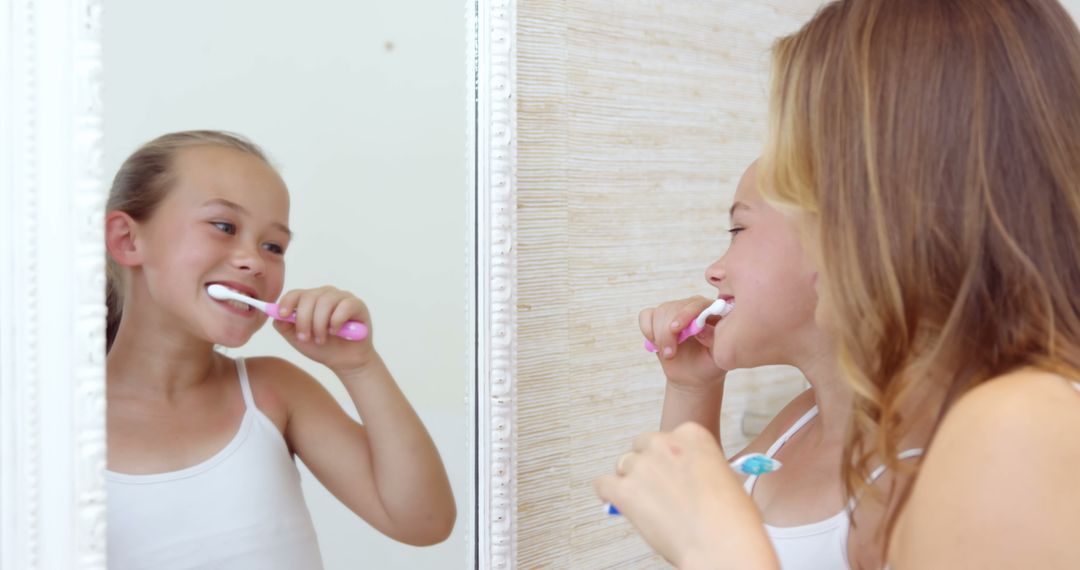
{"points": [[719, 307], [351, 330]]}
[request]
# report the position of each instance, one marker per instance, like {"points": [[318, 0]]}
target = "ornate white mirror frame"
{"points": [[492, 122], [52, 347]]}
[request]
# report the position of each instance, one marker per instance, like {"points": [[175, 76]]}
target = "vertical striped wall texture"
{"points": [[635, 120]]}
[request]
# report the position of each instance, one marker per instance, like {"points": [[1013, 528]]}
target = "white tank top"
{"points": [[820, 545], [239, 510]]}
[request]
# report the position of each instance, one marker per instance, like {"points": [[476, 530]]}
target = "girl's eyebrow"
{"points": [[737, 206], [241, 210]]}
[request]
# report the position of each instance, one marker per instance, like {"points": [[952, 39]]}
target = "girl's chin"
{"points": [[721, 348], [233, 339]]}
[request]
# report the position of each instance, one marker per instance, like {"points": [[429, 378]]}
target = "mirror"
{"points": [[361, 108], [461, 251]]}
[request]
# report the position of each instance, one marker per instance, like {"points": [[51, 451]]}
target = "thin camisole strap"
{"points": [[906, 454], [780, 441], [245, 386], [795, 427], [880, 470]]}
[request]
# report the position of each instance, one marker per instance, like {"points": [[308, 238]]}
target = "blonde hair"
{"points": [[140, 185], [933, 148]]}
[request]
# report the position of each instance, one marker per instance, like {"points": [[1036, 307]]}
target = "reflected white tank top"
{"points": [[240, 509]]}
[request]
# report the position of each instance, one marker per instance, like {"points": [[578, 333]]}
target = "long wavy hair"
{"points": [[932, 149], [139, 186]]}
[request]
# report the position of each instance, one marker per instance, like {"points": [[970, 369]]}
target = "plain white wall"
{"points": [[362, 108]]}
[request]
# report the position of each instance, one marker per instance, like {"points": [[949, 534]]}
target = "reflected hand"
{"points": [[319, 311], [678, 491]]}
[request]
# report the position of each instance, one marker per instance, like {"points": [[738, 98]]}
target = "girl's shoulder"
{"points": [[1021, 403], [1026, 417], [278, 386], [1022, 416], [1000, 471]]}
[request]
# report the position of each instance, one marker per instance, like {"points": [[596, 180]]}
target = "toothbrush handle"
{"points": [[691, 330], [351, 330]]}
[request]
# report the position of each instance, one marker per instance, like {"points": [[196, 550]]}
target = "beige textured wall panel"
{"points": [[635, 120]]}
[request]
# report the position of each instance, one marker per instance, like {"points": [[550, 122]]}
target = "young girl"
{"points": [[200, 447], [932, 150], [767, 275]]}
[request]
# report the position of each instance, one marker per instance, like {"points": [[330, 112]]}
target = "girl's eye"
{"points": [[274, 248], [225, 227], [735, 231]]}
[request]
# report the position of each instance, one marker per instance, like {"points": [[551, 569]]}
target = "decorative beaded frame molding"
{"points": [[492, 118], [52, 275]]}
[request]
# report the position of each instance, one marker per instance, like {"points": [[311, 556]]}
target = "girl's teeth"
{"points": [[239, 305]]}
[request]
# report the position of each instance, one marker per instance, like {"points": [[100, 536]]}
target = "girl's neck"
{"points": [[832, 394], [158, 365]]}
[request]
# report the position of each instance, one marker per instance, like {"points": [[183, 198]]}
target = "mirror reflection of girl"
{"points": [[932, 150], [771, 280], [201, 447]]}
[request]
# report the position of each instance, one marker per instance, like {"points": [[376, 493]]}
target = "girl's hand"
{"points": [[688, 365], [679, 492], [318, 312]]}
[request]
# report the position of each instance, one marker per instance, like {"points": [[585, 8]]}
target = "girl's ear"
{"points": [[120, 239]]}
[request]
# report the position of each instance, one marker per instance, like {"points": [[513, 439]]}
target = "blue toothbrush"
{"points": [[752, 464]]}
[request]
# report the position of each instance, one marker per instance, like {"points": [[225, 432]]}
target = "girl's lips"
{"points": [[713, 320]]}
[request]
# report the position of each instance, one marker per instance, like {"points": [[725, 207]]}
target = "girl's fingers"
{"points": [[670, 319], [688, 311], [320, 312], [665, 338], [287, 302], [645, 323], [305, 306], [608, 488], [625, 463], [645, 440], [284, 327], [325, 303], [350, 308]]}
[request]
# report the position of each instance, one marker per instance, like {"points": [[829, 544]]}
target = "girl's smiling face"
{"points": [[224, 220], [769, 277]]}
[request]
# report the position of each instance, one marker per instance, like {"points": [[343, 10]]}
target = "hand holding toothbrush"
{"points": [[325, 324], [667, 326], [319, 311], [679, 492]]}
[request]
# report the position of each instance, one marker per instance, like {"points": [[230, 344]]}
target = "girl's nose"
{"points": [[715, 273], [247, 259]]}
